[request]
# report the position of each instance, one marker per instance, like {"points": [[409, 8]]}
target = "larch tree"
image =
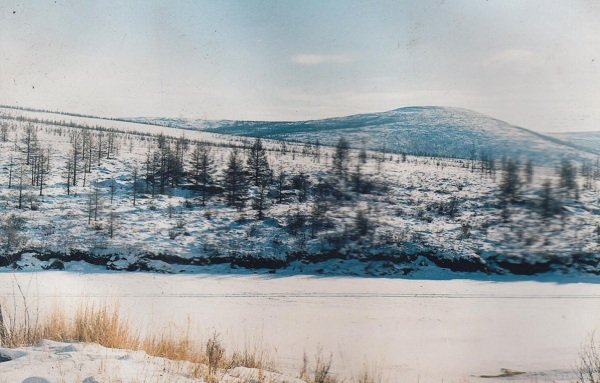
{"points": [[68, 174], [235, 181], [280, 182], [567, 174], [511, 182], [29, 141], [259, 199], [340, 157], [43, 169], [134, 185], [4, 131], [529, 171], [203, 169], [258, 165], [362, 155]]}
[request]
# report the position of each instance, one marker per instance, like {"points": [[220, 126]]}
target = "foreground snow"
{"points": [[50, 362]]}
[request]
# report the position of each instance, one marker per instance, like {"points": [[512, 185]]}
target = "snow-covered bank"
{"points": [[415, 330], [54, 362]]}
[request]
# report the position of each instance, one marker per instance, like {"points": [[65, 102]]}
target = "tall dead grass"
{"points": [[105, 325], [588, 366]]}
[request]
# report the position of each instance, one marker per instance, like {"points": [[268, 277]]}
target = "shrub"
{"points": [[295, 222], [10, 233]]}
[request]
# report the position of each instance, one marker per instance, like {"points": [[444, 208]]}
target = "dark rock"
{"points": [[55, 265]]}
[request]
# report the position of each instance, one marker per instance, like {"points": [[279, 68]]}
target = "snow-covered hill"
{"points": [[424, 130], [136, 204], [589, 141]]}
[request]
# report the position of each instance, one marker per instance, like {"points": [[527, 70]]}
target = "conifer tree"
{"points": [[257, 163], [235, 181], [340, 157], [203, 169], [511, 183]]}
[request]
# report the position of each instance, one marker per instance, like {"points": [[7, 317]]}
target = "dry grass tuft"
{"points": [[588, 367], [106, 326], [369, 374], [174, 348], [320, 372], [102, 325], [18, 331], [215, 354], [251, 357]]}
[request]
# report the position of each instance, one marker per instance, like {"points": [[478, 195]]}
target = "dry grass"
{"points": [[17, 331], [105, 325], [252, 357], [369, 374], [588, 367], [320, 372]]}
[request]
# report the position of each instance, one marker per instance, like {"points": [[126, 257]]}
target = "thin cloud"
{"points": [[317, 59]]}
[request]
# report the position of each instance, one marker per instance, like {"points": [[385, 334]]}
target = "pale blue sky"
{"points": [[533, 63]]}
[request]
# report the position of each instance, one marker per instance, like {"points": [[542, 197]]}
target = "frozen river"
{"points": [[413, 330]]}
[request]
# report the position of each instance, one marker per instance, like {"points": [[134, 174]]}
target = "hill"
{"points": [[421, 130], [81, 192], [589, 141]]}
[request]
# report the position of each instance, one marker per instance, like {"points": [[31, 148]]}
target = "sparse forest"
{"points": [[117, 196]]}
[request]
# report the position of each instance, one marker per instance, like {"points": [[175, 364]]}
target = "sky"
{"points": [[535, 64]]}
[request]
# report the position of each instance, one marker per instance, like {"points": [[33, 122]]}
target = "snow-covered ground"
{"points": [[56, 362], [413, 330], [52, 362], [411, 225]]}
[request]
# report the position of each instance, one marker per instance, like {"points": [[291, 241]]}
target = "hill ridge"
{"points": [[439, 131]]}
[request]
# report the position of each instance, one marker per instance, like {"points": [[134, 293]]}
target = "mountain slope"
{"points": [[425, 130], [589, 141], [381, 218]]}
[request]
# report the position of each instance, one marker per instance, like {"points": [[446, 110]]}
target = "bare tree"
{"points": [[111, 222], [4, 131], [29, 141], [21, 176], [68, 173], [134, 186], [44, 169], [75, 153]]}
